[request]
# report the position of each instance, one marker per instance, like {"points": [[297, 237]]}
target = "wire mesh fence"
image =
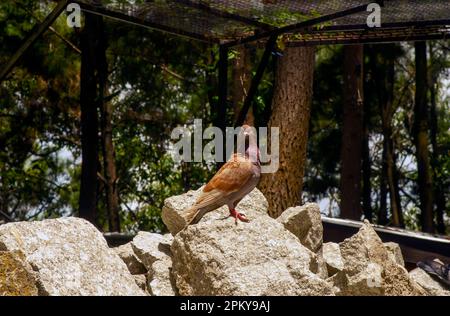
{"points": [[222, 20]]}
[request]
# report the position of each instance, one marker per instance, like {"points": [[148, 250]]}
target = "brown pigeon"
{"points": [[238, 177]]}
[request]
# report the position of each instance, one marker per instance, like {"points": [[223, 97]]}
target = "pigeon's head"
{"points": [[249, 131], [251, 142], [250, 137]]}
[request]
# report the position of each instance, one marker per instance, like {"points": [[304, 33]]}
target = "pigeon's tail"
{"points": [[434, 267], [195, 213], [190, 214]]}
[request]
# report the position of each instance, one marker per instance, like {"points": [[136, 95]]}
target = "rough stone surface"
{"points": [[255, 258], [395, 252], [128, 256], [150, 247], [252, 205], [141, 281], [322, 270], [16, 276], [369, 269], [368, 281], [161, 281], [70, 257], [428, 283], [304, 222], [154, 252], [332, 257]]}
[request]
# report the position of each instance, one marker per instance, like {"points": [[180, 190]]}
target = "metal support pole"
{"points": [[223, 88], [256, 80], [35, 33], [220, 119]]}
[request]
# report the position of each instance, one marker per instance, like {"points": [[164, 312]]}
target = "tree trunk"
{"points": [[242, 70], [109, 169], [352, 133], [385, 79], [382, 59], [290, 112], [382, 212], [366, 167], [366, 159], [420, 136], [109, 161], [392, 181], [438, 185], [89, 119]]}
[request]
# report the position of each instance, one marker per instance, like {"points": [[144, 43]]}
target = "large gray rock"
{"points": [[395, 252], [134, 265], [154, 251], [252, 205], [332, 256], [369, 268], [304, 222], [70, 257], [430, 285], [17, 277], [257, 258]]}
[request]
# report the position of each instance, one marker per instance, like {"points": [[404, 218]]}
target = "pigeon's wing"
{"points": [[231, 178]]}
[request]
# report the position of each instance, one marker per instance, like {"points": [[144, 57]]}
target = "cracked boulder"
{"points": [[134, 265]]}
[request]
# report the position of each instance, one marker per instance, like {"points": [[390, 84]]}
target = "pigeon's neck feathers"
{"points": [[252, 153]]}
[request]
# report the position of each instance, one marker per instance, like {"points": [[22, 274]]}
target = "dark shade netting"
{"points": [[226, 20]]}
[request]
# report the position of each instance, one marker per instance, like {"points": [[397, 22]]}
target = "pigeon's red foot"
{"points": [[237, 215]]}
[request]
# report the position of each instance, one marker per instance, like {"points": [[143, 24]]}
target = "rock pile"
{"points": [[370, 268], [283, 256], [66, 256]]}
